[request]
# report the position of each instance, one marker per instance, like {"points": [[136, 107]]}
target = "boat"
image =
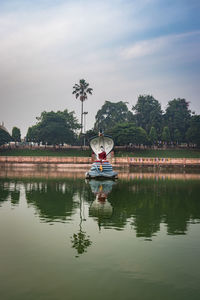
{"points": [[101, 145]]}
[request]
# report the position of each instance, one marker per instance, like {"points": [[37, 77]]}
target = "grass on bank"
{"points": [[169, 153], [45, 152]]}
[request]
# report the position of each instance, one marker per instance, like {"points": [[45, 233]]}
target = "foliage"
{"points": [[80, 242], [128, 133], [4, 137], [90, 133], [193, 132], [153, 137], [16, 134], [166, 135], [33, 134], [148, 113], [111, 114], [81, 91], [177, 136], [177, 117], [161, 153], [54, 128]]}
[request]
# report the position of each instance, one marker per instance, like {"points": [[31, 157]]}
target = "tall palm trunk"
{"points": [[81, 118]]}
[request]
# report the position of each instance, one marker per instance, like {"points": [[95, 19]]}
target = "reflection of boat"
{"points": [[104, 186], [101, 168], [100, 207]]}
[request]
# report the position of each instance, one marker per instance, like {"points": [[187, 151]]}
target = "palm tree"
{"points": [[81, 90]]}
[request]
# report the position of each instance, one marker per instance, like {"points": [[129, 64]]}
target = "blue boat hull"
{"points": [[101, 170]]}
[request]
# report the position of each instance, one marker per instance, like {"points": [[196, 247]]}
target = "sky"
{"points": [[122, 48]]}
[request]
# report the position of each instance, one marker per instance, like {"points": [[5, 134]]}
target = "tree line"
{"points": [[146, 123]]}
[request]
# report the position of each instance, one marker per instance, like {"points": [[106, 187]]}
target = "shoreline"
{"points": [[82, 162], [23, 173]]}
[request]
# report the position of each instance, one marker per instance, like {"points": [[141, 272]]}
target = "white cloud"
{"points": [[156, 45]]}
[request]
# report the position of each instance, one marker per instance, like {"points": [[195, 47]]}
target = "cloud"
{"points": [[117, 46], [157, 45]]}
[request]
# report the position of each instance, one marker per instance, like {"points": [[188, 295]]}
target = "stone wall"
{"points": [[153, 161], [82, 161]]}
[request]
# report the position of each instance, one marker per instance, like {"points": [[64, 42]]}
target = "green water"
{"points": [[69, 239]]}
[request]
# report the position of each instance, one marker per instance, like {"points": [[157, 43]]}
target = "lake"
{"points": [[66, 238]]}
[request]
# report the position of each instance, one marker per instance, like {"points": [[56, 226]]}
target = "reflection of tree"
{"points": [[145, 204], [4, 194], [53, 199], [9, 190], [15, 195], [81, 241]]}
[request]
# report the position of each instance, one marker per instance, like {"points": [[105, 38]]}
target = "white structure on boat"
{"points": [[101, 145]]}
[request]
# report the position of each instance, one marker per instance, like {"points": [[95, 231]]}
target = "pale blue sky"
{"points": [[122, 48]]}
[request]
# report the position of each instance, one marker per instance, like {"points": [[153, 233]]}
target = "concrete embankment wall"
{"points": [[152, 161], [80, 174], [74, 162]]}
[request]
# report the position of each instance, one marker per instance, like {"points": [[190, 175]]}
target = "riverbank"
{"points": [[85, 162], [118, 152]]}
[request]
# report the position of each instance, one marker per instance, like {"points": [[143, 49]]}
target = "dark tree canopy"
{"points": [[91, 133], [128, 133], [33, 134], [4, 137], [148, 113], [193, 132], [111, 114], [153, 137], [177, 117], [177, 136], [166, 135], [16, 134], [147, 125], [54, 128]]}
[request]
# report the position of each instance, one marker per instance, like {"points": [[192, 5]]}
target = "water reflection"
{"points": [[9, 191], [101, 207], [140, 204], [145, 204], [81, 240], [52, 200]]}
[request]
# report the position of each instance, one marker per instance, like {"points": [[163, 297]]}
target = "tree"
{"points": [[177, 116], [128, 133], [111, 114], [193, 132], [80, 91], [54, 128], [90, 133], [148, 113], [16, 134], [166, 135], [33, 134], [4, 137], [153, 137], [177, 136]]}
